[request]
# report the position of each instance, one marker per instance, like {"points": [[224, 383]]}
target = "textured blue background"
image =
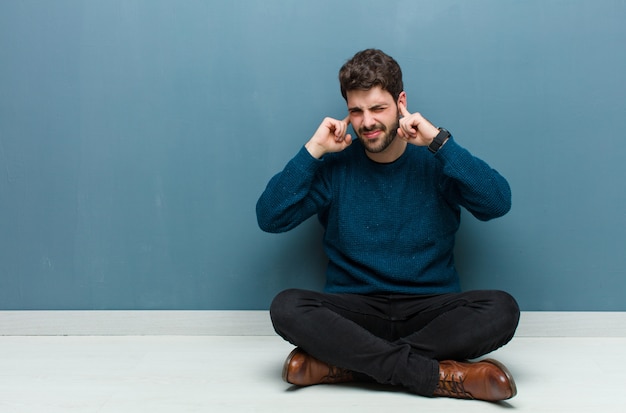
{"points": [[137, 135]]}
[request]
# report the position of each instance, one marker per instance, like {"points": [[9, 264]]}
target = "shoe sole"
{"points": [[507, 373]]}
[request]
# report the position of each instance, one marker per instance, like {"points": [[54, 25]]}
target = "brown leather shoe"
{"points": [[302, 369], [484, 380]]}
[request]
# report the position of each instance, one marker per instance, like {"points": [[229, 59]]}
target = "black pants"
{"points": [[395, 339]]}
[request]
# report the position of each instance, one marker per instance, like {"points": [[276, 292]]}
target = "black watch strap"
{"points": [[439, 140]]}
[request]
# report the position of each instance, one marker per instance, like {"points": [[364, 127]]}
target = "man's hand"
{"points": [[330, 137], [415, 129]]}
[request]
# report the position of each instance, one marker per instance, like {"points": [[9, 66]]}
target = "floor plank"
{"points": [[242, 374]]}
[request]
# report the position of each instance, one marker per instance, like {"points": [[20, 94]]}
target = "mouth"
{"points": [[372, 134]]}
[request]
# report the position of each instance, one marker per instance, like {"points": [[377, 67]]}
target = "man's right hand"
{"points": [[330, 137]]}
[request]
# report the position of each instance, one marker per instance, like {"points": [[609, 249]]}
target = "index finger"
{"points": [[347, 120], [403, 110]]}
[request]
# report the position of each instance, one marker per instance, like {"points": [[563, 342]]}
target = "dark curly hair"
{"points": [[369, 68]]}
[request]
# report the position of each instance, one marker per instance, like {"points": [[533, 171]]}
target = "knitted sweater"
{"points": [[389, 228]]}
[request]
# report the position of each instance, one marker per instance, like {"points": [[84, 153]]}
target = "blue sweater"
{"points": [[389, 228]]}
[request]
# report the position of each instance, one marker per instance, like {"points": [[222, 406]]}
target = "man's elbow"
{"points": [[497, 209]]}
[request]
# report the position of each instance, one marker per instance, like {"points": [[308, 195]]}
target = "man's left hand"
{"points": [[415, 129]]}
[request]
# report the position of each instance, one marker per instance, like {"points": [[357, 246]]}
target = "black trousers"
{"points": [[395, 339]]}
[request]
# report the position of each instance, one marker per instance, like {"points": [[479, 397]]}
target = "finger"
{"points": [[401, 134], [403, 110], [340, 130], [409, 130], [344, 128]]}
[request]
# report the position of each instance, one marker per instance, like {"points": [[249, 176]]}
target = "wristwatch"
{"points": [[439, 140]]}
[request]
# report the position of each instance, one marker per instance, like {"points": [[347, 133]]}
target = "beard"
{"points": [[382, 143]]}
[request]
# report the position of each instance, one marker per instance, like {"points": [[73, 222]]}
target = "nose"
{"points": [[368, 120]]}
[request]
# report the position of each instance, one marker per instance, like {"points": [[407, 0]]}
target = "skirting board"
{"points": [[257, 323]]}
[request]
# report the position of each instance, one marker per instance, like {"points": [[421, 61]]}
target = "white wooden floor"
{"points": [[47, 374]]}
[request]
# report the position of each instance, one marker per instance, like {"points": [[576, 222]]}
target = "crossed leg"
{"points": [[395, 339]]}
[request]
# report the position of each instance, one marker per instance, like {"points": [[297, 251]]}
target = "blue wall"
{"points": [[137, 135]]}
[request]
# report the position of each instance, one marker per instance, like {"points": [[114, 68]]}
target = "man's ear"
{"points": [[401, 99]]}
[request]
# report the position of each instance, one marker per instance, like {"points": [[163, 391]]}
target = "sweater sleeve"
{"points": [[293, 195], [471, 183]]}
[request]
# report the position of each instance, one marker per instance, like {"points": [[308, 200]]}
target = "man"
{"points": [[389, 202]]}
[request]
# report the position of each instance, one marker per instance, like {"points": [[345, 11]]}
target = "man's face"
{"points": [[374, 117]]}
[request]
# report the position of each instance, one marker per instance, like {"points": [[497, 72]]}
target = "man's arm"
{"points": [[298, 192], [472, 183], [469, 181]]}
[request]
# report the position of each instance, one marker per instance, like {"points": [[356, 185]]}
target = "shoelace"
{"points": [[336, 374], [453, 386]]}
